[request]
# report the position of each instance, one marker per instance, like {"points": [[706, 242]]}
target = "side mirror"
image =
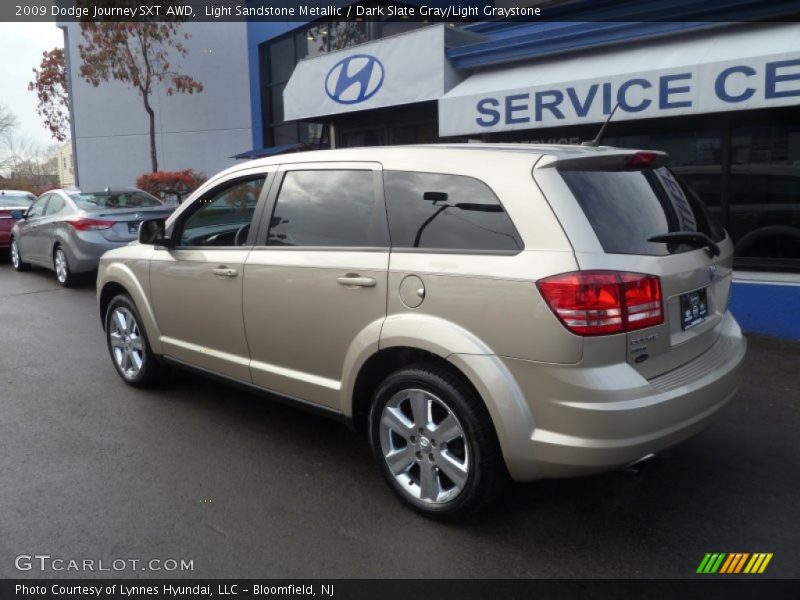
{"points": [[152, 232], [18, 214]]}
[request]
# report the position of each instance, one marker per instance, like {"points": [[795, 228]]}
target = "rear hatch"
{"points": [[619, 206], [123, 223]]}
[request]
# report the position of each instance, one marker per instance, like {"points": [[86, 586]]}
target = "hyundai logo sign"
{"points": [[354, 79]]}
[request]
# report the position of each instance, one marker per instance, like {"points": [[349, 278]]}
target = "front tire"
{"points": [[435, 443], [16, 257], [128, 345], [64, 274]]}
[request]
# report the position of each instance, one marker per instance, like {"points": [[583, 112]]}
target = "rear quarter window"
{"points": [[626, 208], [446, 212]]}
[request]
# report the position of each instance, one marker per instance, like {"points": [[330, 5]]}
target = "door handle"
{"points": [[225, 272], [356, 281]]}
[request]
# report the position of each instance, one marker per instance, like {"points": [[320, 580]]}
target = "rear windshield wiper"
{"points": [[696, 239]]}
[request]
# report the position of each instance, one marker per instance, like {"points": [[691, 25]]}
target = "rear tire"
{"points": [[435, 443], [129, 347], [64, 274], [16, 257]]}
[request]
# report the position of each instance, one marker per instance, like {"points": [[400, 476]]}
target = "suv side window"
{"points": [[37, 208], [446, 212], [223, 216], [334, 208], [55, 206]]}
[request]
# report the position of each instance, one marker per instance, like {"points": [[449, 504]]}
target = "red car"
{"points": [[10, 201]]}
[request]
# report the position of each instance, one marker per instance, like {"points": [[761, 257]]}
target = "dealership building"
{"points": [[720, 95]]}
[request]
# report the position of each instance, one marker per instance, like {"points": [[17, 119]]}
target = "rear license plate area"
{"points": [[694, 308], [133, 228]]}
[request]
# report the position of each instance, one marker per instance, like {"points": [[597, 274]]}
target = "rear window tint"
{"points": [[446, 212], [625, 208], [124, 199]]}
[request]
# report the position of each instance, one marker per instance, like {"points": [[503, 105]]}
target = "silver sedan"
{"points": [[68, 231]]}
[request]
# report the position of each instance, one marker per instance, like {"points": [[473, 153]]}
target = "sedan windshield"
{"points": [[16, 200], [122, 199]]}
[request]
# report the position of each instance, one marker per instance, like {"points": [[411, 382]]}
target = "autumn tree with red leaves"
{"points": [[50, 85], [170, 184], [137, 54]]}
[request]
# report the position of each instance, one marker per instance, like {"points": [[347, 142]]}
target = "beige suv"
{"points": [[481, 311]]}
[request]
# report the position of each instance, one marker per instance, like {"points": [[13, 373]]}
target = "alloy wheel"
{"points": [[15, 259], [127, 344], [424, 446], [61, 266]]}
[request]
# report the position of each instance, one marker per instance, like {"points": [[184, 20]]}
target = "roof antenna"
{"points": [[596, 141]]}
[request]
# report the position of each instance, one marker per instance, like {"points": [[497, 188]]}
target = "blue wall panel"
{"points": [[259, 32], [768, 308]]}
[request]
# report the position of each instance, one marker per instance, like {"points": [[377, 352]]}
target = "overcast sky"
{"points": [[21, 47]]}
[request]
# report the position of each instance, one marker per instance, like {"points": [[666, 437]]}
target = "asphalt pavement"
{"points": [[91, 469]]}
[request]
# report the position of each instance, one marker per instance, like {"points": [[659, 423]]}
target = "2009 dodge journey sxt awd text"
{"points": [[482, 311]]}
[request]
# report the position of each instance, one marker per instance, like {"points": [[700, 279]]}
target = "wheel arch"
{"points": [[58, 242], [117, 278], [406, 339], [387, 344], [373, 371], [107, 293]]}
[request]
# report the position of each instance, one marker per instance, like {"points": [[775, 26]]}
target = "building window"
{"points": [[278, 59], [747, 171], [344, 34], [744, 165], [764, 199]]}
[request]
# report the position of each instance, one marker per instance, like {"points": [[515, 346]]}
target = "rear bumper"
{"points": [[85, 249], [588, 420]]}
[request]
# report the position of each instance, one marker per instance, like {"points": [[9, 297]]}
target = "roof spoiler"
{"points": [[610, 160]]}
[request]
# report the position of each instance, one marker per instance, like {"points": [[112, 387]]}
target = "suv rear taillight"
{"points": [[90, 224], [604, 302]]}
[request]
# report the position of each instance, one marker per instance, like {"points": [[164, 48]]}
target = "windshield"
{"points": [[16, 200], [626, 208], [126, 199]]}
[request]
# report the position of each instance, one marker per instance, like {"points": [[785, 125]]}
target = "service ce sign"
{"points": [[716, 87]]}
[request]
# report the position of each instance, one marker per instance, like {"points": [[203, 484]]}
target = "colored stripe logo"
{"points": [[736, 562]]}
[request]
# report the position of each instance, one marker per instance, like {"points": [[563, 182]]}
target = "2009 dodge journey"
{"points": [[481, 311]]}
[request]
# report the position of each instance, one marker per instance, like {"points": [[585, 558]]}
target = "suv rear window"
{"points": [[446, 212], [626, 208]]}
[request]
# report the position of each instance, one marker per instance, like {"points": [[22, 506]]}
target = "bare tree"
{"points": [[27, 165], [8, 124]]}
